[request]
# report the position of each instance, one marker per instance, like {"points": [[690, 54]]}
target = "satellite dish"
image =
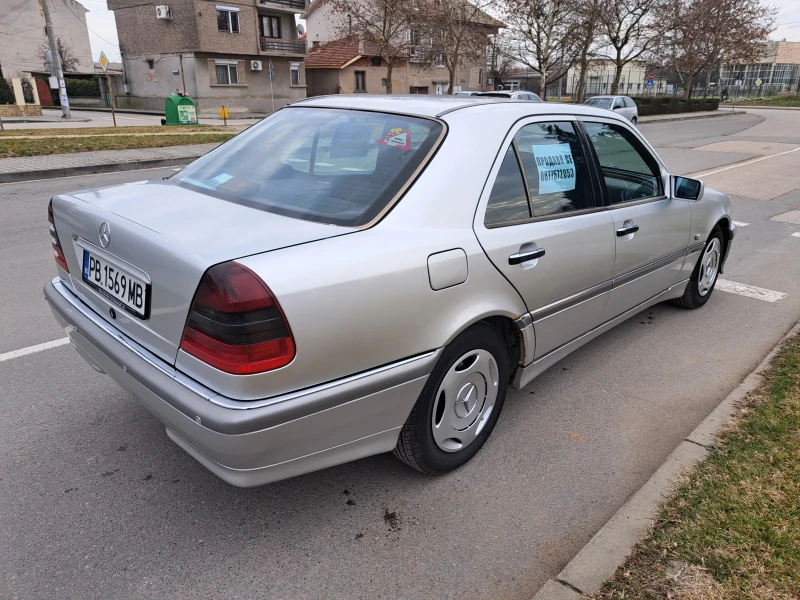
{"points": [[300, 29]]}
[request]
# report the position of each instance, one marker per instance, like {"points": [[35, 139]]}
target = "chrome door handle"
{"points": [[623, 231], [521, 257]]}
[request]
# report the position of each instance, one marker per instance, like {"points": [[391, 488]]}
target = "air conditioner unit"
{"points": [[163, 12], [255, 65]]}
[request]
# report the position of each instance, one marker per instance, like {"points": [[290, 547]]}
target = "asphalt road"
{"points": [[96, 502]]}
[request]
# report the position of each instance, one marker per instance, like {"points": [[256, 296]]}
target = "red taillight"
{"points": [[58, 253], [235, 324]]}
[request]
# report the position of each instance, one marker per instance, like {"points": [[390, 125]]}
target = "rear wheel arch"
{"points": [[508, 331]]}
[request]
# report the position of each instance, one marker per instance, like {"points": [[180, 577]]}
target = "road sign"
{"points": [[271, 71], [103, 61], [738, 82], [649, 83], [759, 82], [650, 77]]}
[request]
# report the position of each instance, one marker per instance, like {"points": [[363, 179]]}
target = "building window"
{"points": [[361, 81], [151, 64], [480, 77], [383, 82], [440, 62], [376, 61], [271, 27], [227, 73], [228, 19], [294, 73]]}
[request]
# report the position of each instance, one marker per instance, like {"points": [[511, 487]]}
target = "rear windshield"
{"points": [[600, 102], [341, 167]]}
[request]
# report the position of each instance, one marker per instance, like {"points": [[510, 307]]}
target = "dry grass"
{"points": [[59, 145], [732, 531]]}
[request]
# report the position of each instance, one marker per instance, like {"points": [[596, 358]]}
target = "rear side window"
{"points": [[629, 171], [341, 167], [508, 201], [554, 168]]}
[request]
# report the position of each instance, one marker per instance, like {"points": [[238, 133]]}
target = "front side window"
{"points": [[227, 74], [508, 201], [629, 171], [361, 81], [340, 167], [228, 19], [555, 169]]}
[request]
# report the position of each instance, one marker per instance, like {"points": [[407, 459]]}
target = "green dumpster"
{"points": [[179, 110]]}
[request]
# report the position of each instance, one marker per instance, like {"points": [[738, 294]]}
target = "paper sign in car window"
{"points": [[397, 138], [351, 141], [556, 168]]}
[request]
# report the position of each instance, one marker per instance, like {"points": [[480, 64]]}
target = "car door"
{"points": [[618, 106], [543, 225], [630, 108], [651, 230]]}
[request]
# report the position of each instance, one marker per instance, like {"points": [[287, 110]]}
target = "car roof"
{"points": [[434, 106]]}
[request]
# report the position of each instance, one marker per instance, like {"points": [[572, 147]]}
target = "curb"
{"points": [[689, 117], [610, 547], [756, 107], [20, 176]]}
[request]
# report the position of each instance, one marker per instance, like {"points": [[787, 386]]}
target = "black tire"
{"points": [[416, 445], [635, 120], [691, 297]]}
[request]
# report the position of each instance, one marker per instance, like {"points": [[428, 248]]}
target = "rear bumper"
{"points": [[252, 443]]}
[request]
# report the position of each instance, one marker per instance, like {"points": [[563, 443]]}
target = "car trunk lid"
{"points": [[165, 236]]}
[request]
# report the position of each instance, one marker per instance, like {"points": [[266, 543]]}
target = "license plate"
{"points": [[119, 286]]}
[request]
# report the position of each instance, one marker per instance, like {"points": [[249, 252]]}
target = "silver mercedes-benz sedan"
{"points": [[361, 274]]}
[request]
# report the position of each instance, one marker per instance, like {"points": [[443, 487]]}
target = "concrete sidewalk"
{"points": [[83, 163]]}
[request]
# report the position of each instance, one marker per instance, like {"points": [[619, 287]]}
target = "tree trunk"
{"points": [[450, 90], [617, 77], [689, 85], [582, 79], [543, 82], [389, 67], [587, 44]]}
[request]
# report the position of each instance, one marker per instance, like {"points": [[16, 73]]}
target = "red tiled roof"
{"points": [[337, 54]]}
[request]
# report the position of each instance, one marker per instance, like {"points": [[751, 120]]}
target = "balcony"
{"points": [[277, 46], [293, 5]]}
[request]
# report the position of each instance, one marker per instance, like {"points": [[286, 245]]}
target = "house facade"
{"points": [[24, 36], [218, 53], [416, 74]]}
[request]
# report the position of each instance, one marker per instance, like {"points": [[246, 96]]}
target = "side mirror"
{"points": [[686, 188]]}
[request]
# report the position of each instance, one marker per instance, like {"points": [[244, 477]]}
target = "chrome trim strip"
{"points": [[574, 213], [107, 256], [636, 202], [648, 268], [524, 321], [559, 305], [696, 247]]}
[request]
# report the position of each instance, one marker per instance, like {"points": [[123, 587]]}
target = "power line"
{"points": [[5, 14], [87, 25]]}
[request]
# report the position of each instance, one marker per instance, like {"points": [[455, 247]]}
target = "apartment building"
{"points": [[348, 65], [778, 71], [216, 52]]}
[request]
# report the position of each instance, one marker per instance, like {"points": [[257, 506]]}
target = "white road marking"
{"points": [[741, 223], [750, 291], [33, 349], [796, 234], [745, 163]]}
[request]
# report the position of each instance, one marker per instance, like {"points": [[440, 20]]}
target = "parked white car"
{"points": [[622, 105]]}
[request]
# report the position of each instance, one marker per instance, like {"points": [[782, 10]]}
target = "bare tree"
{"points": [[589, 11], [382, 23], [545, 36], [69, 62], [630, 31], [501, 61], [458, 31], [701, 35]]}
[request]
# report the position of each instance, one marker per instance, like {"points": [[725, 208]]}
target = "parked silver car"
{"points": [[515, 95], [361, 274], [622, 105]]}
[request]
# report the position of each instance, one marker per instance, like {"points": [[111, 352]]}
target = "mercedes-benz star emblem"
{"points": [[105, 234]]}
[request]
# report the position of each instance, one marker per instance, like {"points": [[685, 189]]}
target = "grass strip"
{"points": [[732, 530], [38, 147]]}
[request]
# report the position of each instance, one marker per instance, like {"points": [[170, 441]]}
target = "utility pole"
{"points": [[62, 87]]}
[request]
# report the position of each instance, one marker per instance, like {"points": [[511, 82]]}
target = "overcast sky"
{"points": [[103, 30]]}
